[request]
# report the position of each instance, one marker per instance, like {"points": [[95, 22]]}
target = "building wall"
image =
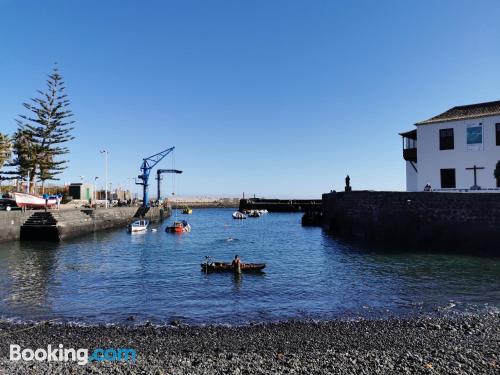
{"points": [[411, 177], [431, 159]]}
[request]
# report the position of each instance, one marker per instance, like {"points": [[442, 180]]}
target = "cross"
{"points": [[475, 169]]}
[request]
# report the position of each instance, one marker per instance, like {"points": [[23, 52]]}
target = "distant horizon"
{"points": [[280, 99]]}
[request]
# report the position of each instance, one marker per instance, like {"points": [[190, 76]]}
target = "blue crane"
{"points": [[148, 164], [158, 177]]}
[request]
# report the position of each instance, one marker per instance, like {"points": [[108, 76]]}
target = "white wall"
{"points": [[431, 159], [411, 177]]}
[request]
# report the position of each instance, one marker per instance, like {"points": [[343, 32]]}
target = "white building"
{"points": [[443, 150]]}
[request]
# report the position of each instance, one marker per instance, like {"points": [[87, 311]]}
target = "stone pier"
{"points": [[461, 222], [56, 225]]}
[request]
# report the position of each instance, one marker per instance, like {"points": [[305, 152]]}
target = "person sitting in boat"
{"points": [[236, 264], [236, 261]]}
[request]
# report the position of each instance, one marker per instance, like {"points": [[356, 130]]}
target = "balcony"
{"points": [[410, 154], [410, 145]]}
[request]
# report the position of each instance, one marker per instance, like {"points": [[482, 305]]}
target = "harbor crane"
{"points": [[158, 177], [147, 165]]}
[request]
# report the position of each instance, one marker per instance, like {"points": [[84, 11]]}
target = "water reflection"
{"points": [[30, 269]]}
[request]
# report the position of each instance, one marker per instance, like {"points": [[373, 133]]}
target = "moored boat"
{"points": [[179, 227], [255, 213], [138, 226], [239, 215], [228, 267], [187, 211], [33, 201]]}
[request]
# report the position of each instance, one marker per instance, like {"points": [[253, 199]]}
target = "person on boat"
{"points": [[236, 264]]}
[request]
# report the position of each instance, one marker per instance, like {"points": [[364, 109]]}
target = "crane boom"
{"points": [[158, 177], [146, 166]]}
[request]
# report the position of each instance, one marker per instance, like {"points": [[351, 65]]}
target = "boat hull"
{"points": [[228, 267], [32, 201]]}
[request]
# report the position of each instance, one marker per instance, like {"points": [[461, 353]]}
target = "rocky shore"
{"points": [[426, 345]]}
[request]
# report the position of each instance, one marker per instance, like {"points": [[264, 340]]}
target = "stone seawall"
{"points": [[73, 222], [462, 222], [10, 224], [280, 205]]}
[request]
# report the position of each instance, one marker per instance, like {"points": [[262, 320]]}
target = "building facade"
{"points": [[457, 150]]}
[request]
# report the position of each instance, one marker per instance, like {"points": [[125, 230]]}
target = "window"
{"points": [[475, 137], [497, 128], [448, 179], [446, 139]]}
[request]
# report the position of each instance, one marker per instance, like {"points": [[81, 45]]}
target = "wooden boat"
{"points": [[138, 226], [239, 215], [228, 267], [179, 227], [33, 201], [187, 211]]}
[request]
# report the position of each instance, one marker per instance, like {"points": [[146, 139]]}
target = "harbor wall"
{"points": [[74, 222], [280, 205], [462, 222], [10, 224]]}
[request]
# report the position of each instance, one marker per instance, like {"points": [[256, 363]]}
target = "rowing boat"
{"points": [[228, 267]]}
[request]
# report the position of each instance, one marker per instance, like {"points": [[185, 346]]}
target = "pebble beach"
{"points": [[465, 344]]}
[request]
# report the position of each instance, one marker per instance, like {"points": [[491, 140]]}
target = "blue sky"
{"points": [[276, 98]]}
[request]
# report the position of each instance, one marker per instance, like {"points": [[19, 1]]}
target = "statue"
{"points": [[348, 184]]}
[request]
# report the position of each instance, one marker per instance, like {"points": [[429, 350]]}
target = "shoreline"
{"points": [[425, 344]]}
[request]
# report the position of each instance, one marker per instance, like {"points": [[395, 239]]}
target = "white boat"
{"points": [[33, 201], [255, 213], [138, 226], [239, 215]]}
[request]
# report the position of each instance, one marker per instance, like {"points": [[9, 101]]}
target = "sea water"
{"points": [[112, 276]]}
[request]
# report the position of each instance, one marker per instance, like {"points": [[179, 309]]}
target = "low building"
{"points": [[81, 191], [455, 150]]}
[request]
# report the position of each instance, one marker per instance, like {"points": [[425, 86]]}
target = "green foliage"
{"points": [[5, 149], [39, 141]]}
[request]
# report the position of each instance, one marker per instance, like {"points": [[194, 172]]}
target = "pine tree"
{"points": [[41, 135], [5, 149]]}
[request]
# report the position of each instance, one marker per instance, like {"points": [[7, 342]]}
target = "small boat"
{"points": [[187, 211], [179, 227], [228, 267], [239, 215], [33, 201], [255, 213], [138, 226]]}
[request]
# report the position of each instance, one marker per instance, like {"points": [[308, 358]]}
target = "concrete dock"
{"points": [[57, 225]]}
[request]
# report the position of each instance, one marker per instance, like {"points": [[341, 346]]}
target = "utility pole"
{"points": [[95, 196], [106, 152]]}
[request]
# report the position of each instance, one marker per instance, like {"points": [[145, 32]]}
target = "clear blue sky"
{"points": [[276, 98]]}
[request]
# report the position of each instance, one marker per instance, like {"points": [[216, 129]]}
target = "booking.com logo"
{"points": [[80, 356]]}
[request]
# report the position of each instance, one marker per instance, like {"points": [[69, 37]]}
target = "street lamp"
{"points": [[95, 202], [106, 153]]}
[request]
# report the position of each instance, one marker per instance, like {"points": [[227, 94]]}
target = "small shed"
{"points": [[81, 191]]}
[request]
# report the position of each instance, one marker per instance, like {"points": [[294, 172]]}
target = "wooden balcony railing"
{"points": [[410, 154]]}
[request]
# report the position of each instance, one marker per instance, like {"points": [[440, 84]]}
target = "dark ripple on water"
{"points": [[155, 276]]}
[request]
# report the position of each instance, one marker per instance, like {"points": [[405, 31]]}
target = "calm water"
{"points": [[156, 276]]}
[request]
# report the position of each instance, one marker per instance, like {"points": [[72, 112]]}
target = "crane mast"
{"points": [[158, 177], [147, 165]]}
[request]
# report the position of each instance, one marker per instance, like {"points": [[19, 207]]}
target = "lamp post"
{"points": [[95, 202], [106, 153]]}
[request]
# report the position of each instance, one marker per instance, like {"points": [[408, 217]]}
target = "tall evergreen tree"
{"points": [[39, 142], [5, 149]]}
